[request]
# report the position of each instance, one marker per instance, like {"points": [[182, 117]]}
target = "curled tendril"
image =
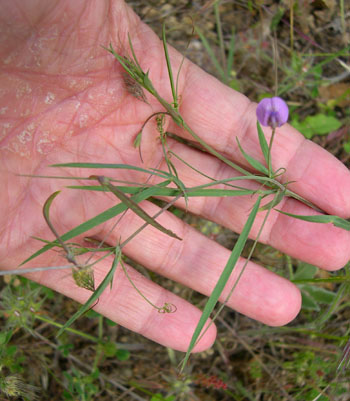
{"points": [[167, 308], [279, 172]]}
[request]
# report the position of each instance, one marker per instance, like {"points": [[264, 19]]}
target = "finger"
{"points": [[197, 262], [320, 244], [123, 305], [219, 115]]}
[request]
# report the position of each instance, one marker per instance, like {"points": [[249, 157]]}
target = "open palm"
{"points": [[64, 99]]}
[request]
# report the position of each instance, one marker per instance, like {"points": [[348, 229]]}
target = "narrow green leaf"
{"points": [[220, 285], [94, 297], [46, 213], [174, 191], [157, 172], [134, 206], [47, 205], [183, 189], [95, 188], [95, 221], [134, 55], [76, 248], [170, 71], [275, 201], [122, 60], [253, 162], [137, 141], [335, 220], [263, 143]]}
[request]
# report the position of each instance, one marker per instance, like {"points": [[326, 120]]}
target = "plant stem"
{"points": [[73, 331], [269, 154]]}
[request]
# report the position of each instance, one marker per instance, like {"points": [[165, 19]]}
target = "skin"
{"points": [[62, 99]]}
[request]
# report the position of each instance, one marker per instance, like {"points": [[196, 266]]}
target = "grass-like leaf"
{"points": [[220, 285], [95, 221], [159, 173], [170, 71], [253, 162], [279, 195], [134, 206], [175, 191], [46, 213], [76, 248], [335, 220], [94, 297], [263, 143]]}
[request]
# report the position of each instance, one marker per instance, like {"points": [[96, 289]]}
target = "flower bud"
{"points": [[272, 112]]}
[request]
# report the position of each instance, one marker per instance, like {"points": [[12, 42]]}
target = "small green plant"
{"points": [[319, 124], [81, 386], [19, 304], [308, 373], [272, 112], [313, 296], [11, 367], [10, 356]]}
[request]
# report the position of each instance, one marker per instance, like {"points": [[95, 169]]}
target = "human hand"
{"points": [[63, 100]]}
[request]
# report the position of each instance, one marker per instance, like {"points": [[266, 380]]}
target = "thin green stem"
{"points": [[166, 308], [146, 224], [269, 153], [289, 266], [336, 279], [200, 172], [46, 208], [70, 330]]}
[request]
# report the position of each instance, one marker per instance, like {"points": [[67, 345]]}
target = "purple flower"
{"points": [[272, 112]]}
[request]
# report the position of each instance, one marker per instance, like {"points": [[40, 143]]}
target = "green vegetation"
{"points": [[68, 352]]}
